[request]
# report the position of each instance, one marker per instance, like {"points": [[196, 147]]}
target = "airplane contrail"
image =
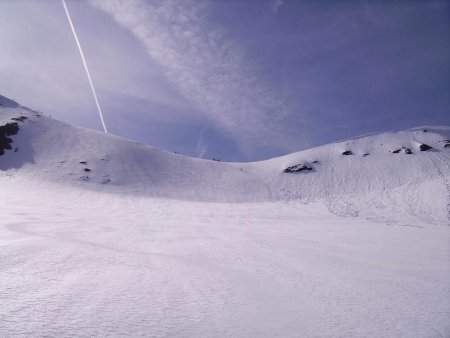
{"points": [[85, 64]]}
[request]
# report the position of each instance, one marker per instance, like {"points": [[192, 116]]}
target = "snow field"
{"points": [[82, 263]]}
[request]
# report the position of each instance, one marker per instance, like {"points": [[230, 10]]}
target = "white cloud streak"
{"points": [[207, 68], [66, 10], [275, 5], [201, 147]]}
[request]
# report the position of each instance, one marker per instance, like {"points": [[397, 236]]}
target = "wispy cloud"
{"points": [[275, 5], [207, 67], [201, 148]]}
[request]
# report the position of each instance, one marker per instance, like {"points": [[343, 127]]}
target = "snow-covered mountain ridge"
{"points": [[385, 176], [104, 237]]}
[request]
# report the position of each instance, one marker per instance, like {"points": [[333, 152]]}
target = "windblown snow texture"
{"points": [[102, 236]]}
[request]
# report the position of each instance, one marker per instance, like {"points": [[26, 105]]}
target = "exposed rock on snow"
{"points": [[6, 130], [424, 147], [347, 152], [19, 119], [9, 129], [404, 150], [298, 168]]}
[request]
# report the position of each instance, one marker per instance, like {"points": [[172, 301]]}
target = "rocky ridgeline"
{"points": [[306, 167]]}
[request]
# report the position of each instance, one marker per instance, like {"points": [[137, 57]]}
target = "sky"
{"points": [[239, 80]]}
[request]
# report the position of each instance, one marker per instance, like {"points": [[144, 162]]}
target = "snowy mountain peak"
{"points": [[7, 103]]}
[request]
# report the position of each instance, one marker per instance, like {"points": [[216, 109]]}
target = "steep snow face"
{"points": [[388, 177]]}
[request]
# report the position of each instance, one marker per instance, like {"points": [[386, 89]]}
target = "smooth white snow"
{"points": [[81, 263], [179, 247]]}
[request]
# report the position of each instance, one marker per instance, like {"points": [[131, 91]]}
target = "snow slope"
{"points": [[394, 187], [153, 244], [88, 264], [51, 150], [374, 182]]}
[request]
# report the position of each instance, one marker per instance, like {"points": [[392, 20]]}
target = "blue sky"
{"points": [[239, 80]]}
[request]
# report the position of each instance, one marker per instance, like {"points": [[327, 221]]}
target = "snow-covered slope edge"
{"points": [[388, 176], [379, 179], [47, 150]]}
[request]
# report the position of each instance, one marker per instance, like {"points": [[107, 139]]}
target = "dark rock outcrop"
{"points": [[297, 168], [405, 150], [424, 147], [19, 119], [347, 152], [8, 129]]}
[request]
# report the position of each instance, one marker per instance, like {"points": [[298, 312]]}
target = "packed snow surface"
{"points": [[101, 236]]}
